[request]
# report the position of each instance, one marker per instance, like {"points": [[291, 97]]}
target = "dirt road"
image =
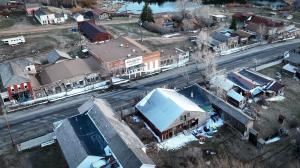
{"points": [[46, 28]]}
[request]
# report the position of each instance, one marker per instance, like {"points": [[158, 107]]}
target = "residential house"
{"points": [[168, 113], [57, 55], [224, 40], [171, 58], [97, 14], [164, 21], [93, 32], [218, 18], [246, 37], [267, 28], [44, 17], [125, 58], [97, 137], [292, 62], [30, 8], [250, 83]]}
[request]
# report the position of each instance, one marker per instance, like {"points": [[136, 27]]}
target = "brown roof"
{"points": [[243, 34], [117, 49], [68, 69]]}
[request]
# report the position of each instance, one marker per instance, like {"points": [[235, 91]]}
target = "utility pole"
{"points": [[8, 125]]}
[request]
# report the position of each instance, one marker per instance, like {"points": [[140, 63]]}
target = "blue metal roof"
{"points": [[236, 96]]}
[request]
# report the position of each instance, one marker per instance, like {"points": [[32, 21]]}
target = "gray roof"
{"points": [[39, 13], [163, 106], [125, 145], [229, 109], [78, 138], [294, 58], [14, 72], [55, 55], [219, 36]]}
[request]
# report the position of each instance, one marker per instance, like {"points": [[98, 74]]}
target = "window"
{"points": [[81, 83], [188, 114]]}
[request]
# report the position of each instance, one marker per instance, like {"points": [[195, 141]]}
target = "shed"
{"points": [[56, 55], [236, 99], [93, 32]]}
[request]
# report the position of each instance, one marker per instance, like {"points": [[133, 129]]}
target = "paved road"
{"points": [[36, 121], [46, 28]]}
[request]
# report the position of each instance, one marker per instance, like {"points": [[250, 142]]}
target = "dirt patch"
{"points": [[39, 45], [47, 157], [167, 43], [289, 107], [137, 125]]}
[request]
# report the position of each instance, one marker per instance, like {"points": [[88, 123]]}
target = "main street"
{"points": [[36, 121]]}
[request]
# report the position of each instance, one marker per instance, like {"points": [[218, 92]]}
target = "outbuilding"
{"points": [[93, 32]]}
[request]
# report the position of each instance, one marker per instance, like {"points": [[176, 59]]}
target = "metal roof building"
{"points": [[93, 32], [165, 109], [99, 132]]}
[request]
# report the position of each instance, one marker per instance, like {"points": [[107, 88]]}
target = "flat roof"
{"points": [[116, 49]]}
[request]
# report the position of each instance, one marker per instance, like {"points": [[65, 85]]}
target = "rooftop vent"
{"points": [[121, 45], [129, 55], [133, 50]]}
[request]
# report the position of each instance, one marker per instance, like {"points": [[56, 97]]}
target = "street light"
{"points": [[140, 27]]}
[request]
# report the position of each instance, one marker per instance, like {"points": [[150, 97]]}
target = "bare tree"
{"points": [[205, 57], [262, 30], [182, 6]]}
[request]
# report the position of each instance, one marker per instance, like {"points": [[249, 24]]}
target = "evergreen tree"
{"points": [[233, 25], [146, 15]]}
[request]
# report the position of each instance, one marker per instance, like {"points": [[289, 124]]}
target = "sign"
{"points": [[133, 61]]}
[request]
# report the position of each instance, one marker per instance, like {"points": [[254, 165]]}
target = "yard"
{"points": [[132, 30], [38, 45]]}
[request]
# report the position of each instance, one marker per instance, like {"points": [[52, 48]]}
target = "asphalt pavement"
{"points": [[37, 121]]}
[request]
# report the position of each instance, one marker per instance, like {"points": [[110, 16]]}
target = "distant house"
{"points": [[245, 36], [46, 17], [97, 14], [168, 113], [175, 57], [30, 8], [78, 17], [224, 40], [57, 55], [93, 32], [97, 137], [218, 17]]}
